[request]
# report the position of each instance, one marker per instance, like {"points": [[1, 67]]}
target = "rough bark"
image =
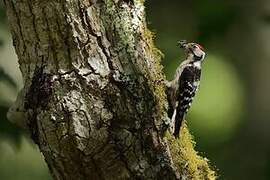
{"points": [[93, 94]]}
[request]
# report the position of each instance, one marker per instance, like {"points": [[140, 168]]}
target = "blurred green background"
{"points": [[230, 115]]}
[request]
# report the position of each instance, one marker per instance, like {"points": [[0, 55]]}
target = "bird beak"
{"points": [[185, 45]]}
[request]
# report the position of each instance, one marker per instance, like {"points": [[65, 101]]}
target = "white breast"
{"points": [[196, 83], [197, 64]]}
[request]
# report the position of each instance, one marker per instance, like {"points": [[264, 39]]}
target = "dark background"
{"points": [[230, 115]]}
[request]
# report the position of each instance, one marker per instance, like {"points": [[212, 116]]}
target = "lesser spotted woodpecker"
{"points": [[182, 89]]}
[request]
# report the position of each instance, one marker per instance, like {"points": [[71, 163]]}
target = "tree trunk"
{"points": [[94, 92]]}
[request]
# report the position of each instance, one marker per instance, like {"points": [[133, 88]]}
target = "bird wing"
{"points": [[188, 85]]}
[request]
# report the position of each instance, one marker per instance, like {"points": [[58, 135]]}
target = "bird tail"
{"points": [[178, 122]]}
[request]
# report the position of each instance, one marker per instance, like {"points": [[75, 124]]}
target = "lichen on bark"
{"points": [[94, 91]]}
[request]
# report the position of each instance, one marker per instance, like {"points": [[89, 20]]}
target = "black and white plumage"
{"points": [[182, 89]]}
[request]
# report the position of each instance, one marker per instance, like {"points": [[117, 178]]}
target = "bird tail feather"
{"points": [[178, 122]]}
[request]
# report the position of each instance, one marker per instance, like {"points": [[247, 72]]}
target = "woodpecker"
{"points": [[182, 89]]}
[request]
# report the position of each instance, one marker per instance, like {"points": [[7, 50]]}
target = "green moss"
{"points": [[156, 77], [139, 1], [156, 80], [188, 162]]}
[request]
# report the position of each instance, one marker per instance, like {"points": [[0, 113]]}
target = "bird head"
{"points": [[193, 49]]}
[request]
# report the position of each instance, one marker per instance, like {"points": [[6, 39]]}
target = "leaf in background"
{"points": [[1, 42], [5, 77], [214, 18], [2, 13], [8, 130], [266, 18]]}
